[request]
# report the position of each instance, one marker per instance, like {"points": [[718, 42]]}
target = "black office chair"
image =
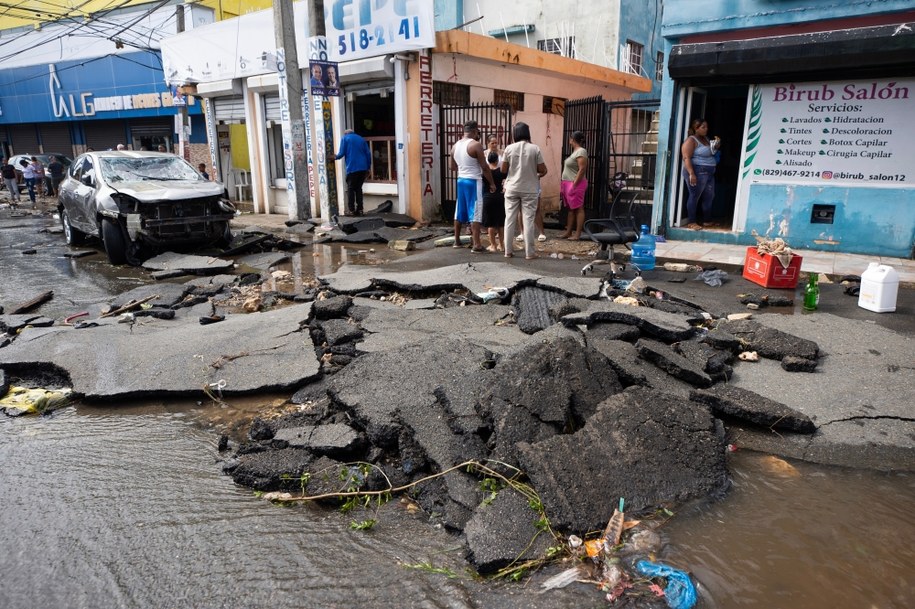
{"points": [[619, 228]]}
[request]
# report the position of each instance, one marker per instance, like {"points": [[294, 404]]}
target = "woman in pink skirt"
{"points": [[574, 186]]}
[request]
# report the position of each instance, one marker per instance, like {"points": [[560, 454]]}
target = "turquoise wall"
{"points": [[867, 220], [448, 14], [688, 17], [641, 22]]}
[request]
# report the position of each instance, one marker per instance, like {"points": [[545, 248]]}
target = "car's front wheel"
{"points": [[74, 236], [115, 241]]}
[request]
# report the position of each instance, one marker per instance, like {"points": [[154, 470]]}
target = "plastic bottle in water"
{"points": [[643, 250]]}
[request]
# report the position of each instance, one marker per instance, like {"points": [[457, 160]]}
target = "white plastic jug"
{"points": [[879, 288]]}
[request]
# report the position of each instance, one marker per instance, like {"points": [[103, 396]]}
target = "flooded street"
{"points": [[126, 505]]}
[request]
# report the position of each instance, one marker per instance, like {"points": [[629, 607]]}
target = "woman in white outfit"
{"points": [[522, 163]]}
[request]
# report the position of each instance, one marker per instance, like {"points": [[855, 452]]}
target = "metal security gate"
{"points": [[105, 135], [589, 116], [622, 142], [492, 120], [56, 139]]}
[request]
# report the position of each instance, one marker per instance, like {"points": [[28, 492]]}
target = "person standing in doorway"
{"points": [[469, 160], [55, 176], [358, 160], [523, 165], [8, 172], [699, 163], [575, 185]]}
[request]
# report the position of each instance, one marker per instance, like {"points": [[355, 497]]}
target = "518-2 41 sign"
{"points": [[377, 36]]}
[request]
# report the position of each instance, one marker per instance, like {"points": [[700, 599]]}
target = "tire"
{"points": [[74, 236], [115, 241]]}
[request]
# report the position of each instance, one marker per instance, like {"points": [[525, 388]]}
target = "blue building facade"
{"points": [[813, 103], [98, 103]]}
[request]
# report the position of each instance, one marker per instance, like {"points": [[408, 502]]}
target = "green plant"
{"points": [[364, 525], [428, 567]]}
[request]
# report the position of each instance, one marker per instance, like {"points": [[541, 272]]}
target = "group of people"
{"points": [[502, 192], [37, 178]]}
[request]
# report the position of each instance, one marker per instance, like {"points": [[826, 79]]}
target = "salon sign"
{"points": [[357, 29], [838, 131]]}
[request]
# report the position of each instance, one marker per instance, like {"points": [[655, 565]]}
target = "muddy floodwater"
{"points": [[127, 507]]}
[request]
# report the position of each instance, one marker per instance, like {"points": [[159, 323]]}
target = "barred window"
{"points": [[450, 94], [509, 98], [558, 46], [554, 105], [659, 67], [633, 63]]}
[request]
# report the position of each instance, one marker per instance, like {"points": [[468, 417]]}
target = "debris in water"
{"points": [[749, 356]]}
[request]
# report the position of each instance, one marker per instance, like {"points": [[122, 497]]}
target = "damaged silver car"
{"points": [[141, 202]]}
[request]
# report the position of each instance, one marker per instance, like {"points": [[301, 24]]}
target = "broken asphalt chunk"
{"points": [[672, 362], [502, 531], [667, 327], [190, 264], [646, 446], [749, 406]]}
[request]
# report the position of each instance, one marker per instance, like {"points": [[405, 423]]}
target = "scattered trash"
{"points": [[402, 245], [682, 267], [713, 278], [680, 592], [32, 303], [732, 448], [776, 247], [749, 356], [637, 285], [753, 306], [561, 580], [23, 400], [281, 275], [210, 319], [627, 300], [779, 467], [126, 318], [465, 239], [493, 294], [739, 316], [575, 541]]}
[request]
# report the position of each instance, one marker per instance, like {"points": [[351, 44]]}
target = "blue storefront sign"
{"points": [[112, 87]]}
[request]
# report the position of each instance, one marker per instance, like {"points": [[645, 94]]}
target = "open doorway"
{"points": [[725, 110], [373, 119]]}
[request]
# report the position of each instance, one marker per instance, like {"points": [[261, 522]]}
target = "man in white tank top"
{"points": [[469, 160]]}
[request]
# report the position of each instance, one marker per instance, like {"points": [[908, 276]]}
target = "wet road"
{"points": [[125, 505]]}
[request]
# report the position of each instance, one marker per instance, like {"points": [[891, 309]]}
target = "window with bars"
{"points": [[659, 67], [558, 46], [634, 52], [450, 94], [513, 99]]}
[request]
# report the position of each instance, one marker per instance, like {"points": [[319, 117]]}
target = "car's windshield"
{"points": [[140, 169]]}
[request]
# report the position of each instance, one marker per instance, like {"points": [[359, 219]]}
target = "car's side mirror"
{"points": [[87, 180]]}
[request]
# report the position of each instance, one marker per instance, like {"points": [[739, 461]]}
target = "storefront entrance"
{"points": [[725, 110]]}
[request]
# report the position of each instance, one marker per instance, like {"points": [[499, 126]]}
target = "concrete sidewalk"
{"points": [[830, 263]]}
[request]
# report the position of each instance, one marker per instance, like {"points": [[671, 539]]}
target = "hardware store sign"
{"points": [[855, 131]]}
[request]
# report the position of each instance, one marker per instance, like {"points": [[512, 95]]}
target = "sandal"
{"points": [[534, 257], [479, 249], [509, 255], [541, 238]]}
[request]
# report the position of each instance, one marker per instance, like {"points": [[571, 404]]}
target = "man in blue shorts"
{"points": [[469, 160]]}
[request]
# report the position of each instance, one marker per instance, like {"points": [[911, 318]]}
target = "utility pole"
{"points": [[183, 149], [290, 89]]}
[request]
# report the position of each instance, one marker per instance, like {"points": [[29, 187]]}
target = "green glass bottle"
{"points": [[812, 293]]}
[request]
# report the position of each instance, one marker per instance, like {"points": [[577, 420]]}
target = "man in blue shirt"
{"points": [[358, 162]]}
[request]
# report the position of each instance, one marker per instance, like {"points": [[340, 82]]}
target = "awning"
{"points": [[884, 50]]}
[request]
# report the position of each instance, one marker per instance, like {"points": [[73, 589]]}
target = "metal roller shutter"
{"points": [[102, 135], [272, 107], [24, 139], [55, 137], [229, 109], [150, 129]]}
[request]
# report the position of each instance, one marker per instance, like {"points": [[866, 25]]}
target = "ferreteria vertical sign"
{"points": [[857, 131]]}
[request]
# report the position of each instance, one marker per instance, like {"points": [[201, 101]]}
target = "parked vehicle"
{"points": [[44, 159], [141, 202]]}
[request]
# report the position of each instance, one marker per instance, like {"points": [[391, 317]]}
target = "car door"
{"points": [[81, 196]]}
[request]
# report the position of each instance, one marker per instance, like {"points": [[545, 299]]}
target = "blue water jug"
{"points": [[643, 250]]}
